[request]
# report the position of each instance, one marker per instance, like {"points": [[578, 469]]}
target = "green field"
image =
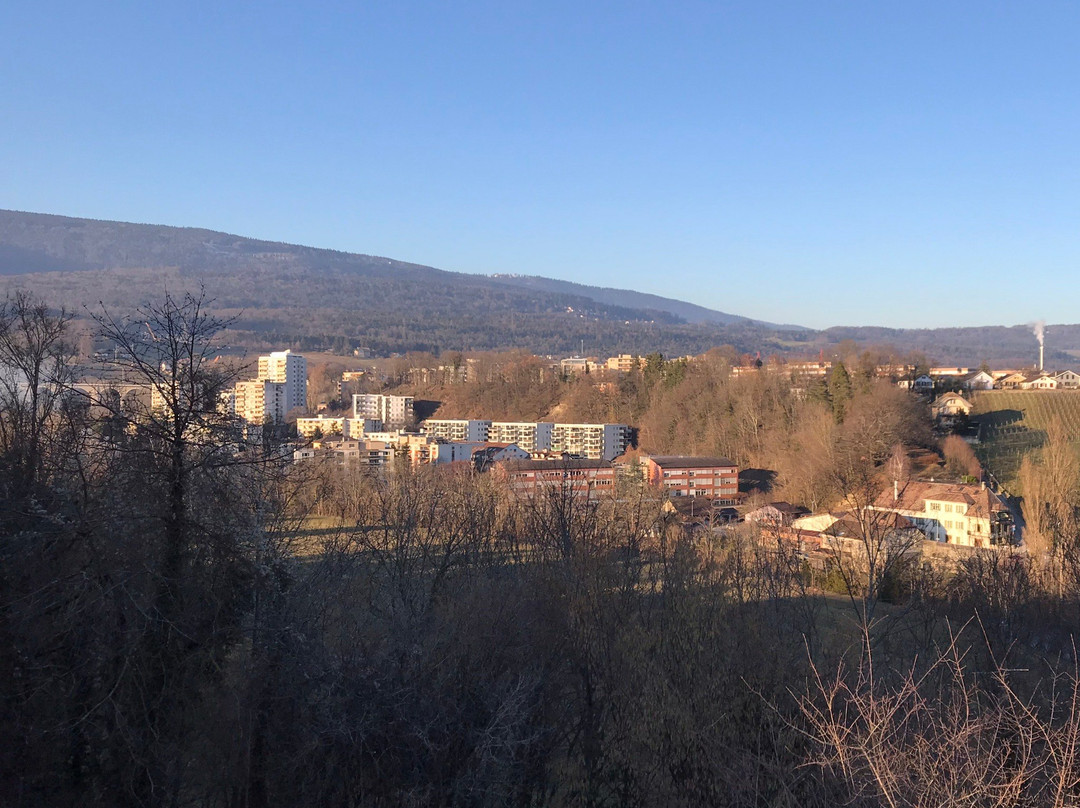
{"points": [[1015, 422]]}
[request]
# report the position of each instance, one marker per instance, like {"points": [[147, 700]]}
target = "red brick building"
{"points": [[528, 478], [714, 477]]}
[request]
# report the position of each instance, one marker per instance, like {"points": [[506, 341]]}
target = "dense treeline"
{"points": [[185, 624], [765, 420]]}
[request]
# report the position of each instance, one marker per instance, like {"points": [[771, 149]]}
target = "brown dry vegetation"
{"points": [[163, 641], [764, 420]]}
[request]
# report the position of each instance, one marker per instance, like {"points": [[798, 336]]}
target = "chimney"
{"points": [[895, 490], [1040, 355]]}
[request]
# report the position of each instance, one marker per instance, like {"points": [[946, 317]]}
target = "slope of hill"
{"points": [[690, 312], [316, 298], [1015, 422], [1008, 346]]}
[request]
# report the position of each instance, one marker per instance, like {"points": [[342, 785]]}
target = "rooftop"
{"points": [[688, 462], [913, 495]]}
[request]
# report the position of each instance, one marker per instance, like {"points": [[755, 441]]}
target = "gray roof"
{"points": [[545, 465], [687, 462]]}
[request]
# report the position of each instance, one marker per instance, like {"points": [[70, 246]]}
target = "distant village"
{"points": [[378, 432]]}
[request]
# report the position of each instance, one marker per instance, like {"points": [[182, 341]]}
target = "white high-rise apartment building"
{"points": [[458, 429], [289, 369], [532, 436], [394, 411], [594, 441], [260, 401]]}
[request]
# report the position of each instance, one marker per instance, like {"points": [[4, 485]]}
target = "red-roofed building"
{"points": [[956, 513], [528, 478], [680, 476]]}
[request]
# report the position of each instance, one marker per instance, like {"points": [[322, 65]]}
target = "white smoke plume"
{"points": [[1038, 328]]}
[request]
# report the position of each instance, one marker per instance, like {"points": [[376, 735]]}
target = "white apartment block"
{"points": [[532, 436], [624, 363], [320, 426], [458, 429], [289, 369], [326, 425], [393, 411], [260, 401], [360, 427], [594, 441]]}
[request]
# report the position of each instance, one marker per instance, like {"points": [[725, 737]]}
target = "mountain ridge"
{"points": [[22, 231], [316, 298]]}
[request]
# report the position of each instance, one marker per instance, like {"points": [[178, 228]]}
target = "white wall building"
{"points": [[289, 369], [594, 441], [532, 436], [394, 411], [458, 429], [260, 401]]}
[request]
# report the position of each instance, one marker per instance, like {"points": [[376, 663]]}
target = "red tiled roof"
{"points": [[913, 495]]}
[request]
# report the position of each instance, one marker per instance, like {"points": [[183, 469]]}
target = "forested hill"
{"points": [[316, 299], [323, 298], [691, 312]]}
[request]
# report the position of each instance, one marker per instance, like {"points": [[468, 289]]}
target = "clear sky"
{"points": [[893, 163]]}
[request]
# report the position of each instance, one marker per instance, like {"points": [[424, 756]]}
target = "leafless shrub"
{"points": [[945, 733]]}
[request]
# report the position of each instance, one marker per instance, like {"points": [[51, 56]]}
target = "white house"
{"points": [[979, 380], [1044, 381], [920, 384], [950, 405], [1068, 380]]}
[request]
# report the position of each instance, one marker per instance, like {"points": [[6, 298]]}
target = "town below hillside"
{"points": [[303, 578]]}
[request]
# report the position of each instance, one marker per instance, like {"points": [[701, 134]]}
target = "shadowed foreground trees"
{"points": [[201, 644]]}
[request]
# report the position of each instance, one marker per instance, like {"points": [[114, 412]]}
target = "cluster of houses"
{"points": [[596, 460], [968, 379], [960, 514], [528, 474]]}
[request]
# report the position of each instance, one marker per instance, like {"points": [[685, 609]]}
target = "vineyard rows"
{"points": [[1015, 422]]}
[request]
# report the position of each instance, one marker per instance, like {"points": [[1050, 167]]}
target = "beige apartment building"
{"points": [[955, 513]]}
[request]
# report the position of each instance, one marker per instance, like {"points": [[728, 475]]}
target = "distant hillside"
{"points": [[1013, 346], [317, 299], [689, 312]]}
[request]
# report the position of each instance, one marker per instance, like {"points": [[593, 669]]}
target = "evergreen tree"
{"points": [[839, 390]]}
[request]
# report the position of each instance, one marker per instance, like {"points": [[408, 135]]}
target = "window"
{"points": [[948, 509]]}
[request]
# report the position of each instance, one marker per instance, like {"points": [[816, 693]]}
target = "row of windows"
{"points": [[703, 472], [936, 506]]}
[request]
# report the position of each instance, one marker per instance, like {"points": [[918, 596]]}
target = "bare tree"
{"points": [[935, 736], [36, 372]]}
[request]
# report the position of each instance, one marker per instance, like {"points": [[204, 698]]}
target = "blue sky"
{"points": [[901, 164]]}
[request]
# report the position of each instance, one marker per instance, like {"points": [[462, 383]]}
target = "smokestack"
{"points": [[895, 490], [1038, 328], [1040, 355]]}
